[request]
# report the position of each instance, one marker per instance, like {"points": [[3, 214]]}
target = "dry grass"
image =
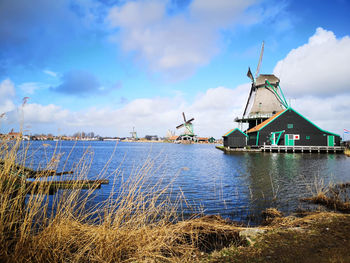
{"points": [[137, 223], [317, 237], [347, 152], [332, 196]]}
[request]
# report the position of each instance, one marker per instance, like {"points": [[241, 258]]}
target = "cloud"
{"points": [[330, 113], [213, 111], [218, 13], [50, 73], [78, 82], [32, 87], [175, 45], [7, 93], [317, 77], [216, 109], [318, 68], [36, 113]]}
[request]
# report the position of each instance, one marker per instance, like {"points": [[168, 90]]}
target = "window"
{"points": [[291, 136], [290, 126], [307, 137]]}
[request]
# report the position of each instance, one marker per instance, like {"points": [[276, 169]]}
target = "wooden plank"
{"points": [[53, 186]]}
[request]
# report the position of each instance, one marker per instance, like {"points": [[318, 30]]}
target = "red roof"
{"points": [[259, 126], [227, 133]]}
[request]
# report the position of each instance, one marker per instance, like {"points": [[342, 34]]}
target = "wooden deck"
{"points": [[285, 149], [303, 149]]}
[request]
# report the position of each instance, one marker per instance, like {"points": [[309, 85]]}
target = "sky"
{"points": [[110, 65]]}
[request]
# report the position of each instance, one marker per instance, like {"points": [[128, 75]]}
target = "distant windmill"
{"points": [[265, 98], [133, 134], [188, 128]]}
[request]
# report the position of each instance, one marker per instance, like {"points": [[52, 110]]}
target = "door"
{"points": [[289, 139], [330, 140]]}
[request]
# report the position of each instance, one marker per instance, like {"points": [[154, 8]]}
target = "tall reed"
{"points": [[135, 224]]}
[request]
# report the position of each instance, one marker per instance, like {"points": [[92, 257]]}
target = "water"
{"points": [[236, 186]]}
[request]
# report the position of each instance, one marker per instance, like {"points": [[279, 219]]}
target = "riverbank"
{"points": [[313, 237]]}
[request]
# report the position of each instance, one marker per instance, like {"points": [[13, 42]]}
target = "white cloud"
{"points": [[50, 73], [318, 68], [7, 92], [218, 13], [216, 109], [37, 113], [213, 111], [316, 75], [175, 45], [7, 89], [137, 14], [331, 113], [32, 87]]}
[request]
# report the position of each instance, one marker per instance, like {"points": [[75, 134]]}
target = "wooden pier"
{"points": [[302, 149], [286, 149]]}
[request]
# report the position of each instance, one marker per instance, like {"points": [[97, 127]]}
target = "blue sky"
{"points": [[107, 66]]}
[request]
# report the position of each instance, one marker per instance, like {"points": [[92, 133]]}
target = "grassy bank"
{"points": [[139, 224], [318, 237]]}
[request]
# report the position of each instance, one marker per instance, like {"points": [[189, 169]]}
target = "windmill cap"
{"points": [[260, 80]]}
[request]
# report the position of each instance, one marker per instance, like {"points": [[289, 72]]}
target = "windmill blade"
{"points": [[180, 126], [260, 60], [249, 98], [183, 114], [189, 121], [250, 75]]}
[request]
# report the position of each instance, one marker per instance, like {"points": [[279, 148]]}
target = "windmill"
{"points": [[133, 134], [265, 97], [188, 129]]}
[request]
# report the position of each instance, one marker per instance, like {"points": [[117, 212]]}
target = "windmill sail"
{"points": [[250, 101], [260, 60], [250, 75], [265, 97], [188, 126]]}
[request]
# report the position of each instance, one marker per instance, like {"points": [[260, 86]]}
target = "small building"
{"points": [[211, 140], [151, 138], [173, 138], [235, 138], [202, 139], [290, 128], [14, 135]]}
